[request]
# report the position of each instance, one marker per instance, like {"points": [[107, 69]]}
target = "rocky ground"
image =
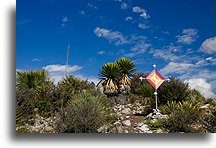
{"points": [[131, 120]]}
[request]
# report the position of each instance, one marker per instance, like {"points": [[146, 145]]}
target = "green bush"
{"points": [[136, 82], [183, 118], [169, 107], [34, 89], [208, 120], [69, 87], [158, 124], [85, 113], [145, 90], [175, 90], [195, 97]]}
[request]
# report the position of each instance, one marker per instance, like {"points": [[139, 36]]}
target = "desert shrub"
{"points": [[136, 82], [34, 90], [175, 90], [158, 124], [210, 101], [169, 107], [145, 90], [22, 130], [208, 120], [183, 118], [69, 87], [85, 113], [195, 96]]}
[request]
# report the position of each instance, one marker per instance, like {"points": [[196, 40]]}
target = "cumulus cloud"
{"points": [[178, 68], [188, 36], [209, 46], [141, 11], [62, 68], [202, 86], [113, 36]]}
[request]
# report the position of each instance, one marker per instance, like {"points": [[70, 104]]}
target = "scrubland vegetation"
{"points": [[79, 107]]}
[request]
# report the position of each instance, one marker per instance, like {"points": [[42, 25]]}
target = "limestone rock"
{"points": [[126, 123], [144, 128], [126, 111]]}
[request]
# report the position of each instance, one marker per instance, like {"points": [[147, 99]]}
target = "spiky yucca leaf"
{"points": [[110, 72], [127, 67]]}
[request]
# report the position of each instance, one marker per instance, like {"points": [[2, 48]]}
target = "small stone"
{"points": [[127, 117], [140, 124], [144, 128], [119, 129], [126, 111], [126, 123], [126, 131], [102, 129], [48, 129], [117, 123]]}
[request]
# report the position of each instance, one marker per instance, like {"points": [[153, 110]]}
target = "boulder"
{"points": [[126, 123], [126, 111], [144, 128]]}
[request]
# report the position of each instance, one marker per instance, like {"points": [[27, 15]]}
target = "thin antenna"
{"points": [[68, 50]]}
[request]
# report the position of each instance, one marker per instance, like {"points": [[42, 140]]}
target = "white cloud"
{"points": [[101, 52], [128, 18], [36, 60], [82, 13], [188, 36], [62, 68], [212, 60], [202, 86], [138, 48], [91, 6], [143, 26], [178, 68], [168, 53], [124, 5], [209, 46], [56, 77], [113, 36], [65, 19], [141, 11], [57, 73]]}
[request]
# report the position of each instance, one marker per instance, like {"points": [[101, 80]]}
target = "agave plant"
{"points": [[127, 67], [37, 81], [110, 72], [71, 86]]}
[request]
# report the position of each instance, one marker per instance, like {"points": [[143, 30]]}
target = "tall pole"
{"points": [[155, 93], [66, 69]]}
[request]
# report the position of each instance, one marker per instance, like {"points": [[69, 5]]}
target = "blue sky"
{"points": [[178, 36]]}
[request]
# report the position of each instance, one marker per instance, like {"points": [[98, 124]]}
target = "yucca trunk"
{"points": [[110, 87], [124, 84]]}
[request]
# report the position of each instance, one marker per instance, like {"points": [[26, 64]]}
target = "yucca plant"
{"points": [[110, 72], [183, 117], [37, 81], [169, 107], [34, 90], [127, 67], [69, 87]]}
